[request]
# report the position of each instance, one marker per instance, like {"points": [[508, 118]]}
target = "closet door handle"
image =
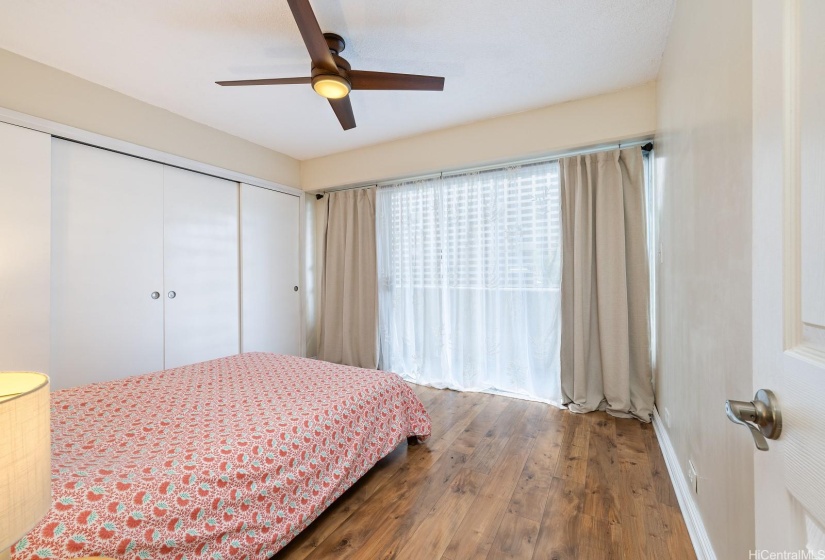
{"points": [[155, 295], [171, 295]]}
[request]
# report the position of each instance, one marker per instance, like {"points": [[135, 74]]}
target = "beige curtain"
{"points": [[348, 325], [605, 338]]}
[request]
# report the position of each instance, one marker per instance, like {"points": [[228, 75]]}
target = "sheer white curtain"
{"points": [[469, 270]]}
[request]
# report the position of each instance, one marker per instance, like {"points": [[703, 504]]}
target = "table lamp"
{"points": [[25, 455]]}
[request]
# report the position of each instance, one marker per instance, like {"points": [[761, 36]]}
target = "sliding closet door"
{"points": [[107, 260], [270, 271], [201, 269]]}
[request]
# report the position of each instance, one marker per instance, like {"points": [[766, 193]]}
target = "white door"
{"points": [[270, 271], [201, 269], [789, 269], [107, 260]]}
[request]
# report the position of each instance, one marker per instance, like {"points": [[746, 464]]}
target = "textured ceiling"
{"points": [[498, 57]]}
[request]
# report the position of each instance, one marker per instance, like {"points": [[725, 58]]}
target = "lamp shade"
{"points": [[25, 454]]}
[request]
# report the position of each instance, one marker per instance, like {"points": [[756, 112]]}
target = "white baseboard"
{"points": [[695, 526]]}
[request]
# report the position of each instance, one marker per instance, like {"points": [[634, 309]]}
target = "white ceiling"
{"points": [[498, 57]]}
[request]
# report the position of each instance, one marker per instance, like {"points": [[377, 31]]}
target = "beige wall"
{"points": [[604, 119], [622, 115], [42, 91], [703, 159]]}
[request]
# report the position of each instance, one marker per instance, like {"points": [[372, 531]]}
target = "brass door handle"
{"points": [[761, 416]]}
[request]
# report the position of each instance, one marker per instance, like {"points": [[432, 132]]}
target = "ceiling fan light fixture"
{"points": [[331, 86], [332, 76]]}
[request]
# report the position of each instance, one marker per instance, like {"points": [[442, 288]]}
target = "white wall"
{"points": [[42, 91], [621, 115], [703, 153], [25, 244]]}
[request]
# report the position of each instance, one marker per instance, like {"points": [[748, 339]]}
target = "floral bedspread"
{"points": [[229, 458]]}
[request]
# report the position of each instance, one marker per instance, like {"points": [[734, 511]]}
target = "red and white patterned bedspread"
{"points": [[224, 459]]}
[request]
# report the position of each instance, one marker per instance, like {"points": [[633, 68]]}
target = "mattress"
{"points": [[229, 458]]}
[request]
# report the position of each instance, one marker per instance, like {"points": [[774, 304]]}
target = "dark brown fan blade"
{"points": [[311, 33], [343, 110], [266, 82], [362, 79]]}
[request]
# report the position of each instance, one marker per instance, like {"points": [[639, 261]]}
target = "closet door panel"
{"points": [[201, 267], [270, 271], [107, 259]]}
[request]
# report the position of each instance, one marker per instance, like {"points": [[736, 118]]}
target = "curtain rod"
{"points": [[645, 143]]}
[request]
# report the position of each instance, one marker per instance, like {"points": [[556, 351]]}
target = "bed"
{"points": [[229, 458]]}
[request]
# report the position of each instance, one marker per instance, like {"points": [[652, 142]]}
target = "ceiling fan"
{"points": [[332, 77]]}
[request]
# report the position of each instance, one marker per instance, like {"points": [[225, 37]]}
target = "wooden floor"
{"points": [[506, 478]]}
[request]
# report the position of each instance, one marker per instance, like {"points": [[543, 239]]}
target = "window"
{"points": [[469, 272]]}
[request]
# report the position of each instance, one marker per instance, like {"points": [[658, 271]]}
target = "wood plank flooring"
{"points": [[505, 478]]}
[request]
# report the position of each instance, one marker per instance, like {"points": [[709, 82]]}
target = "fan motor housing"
{"points": [[343, 68], [336, 45], [335, 42]]}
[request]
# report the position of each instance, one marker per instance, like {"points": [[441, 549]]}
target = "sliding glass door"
{"points": [[469, 272]]}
